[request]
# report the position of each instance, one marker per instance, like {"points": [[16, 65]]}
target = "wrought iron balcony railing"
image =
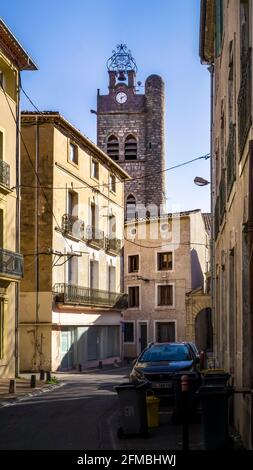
{"points": [[72, 294], [231, 159], [11, 264], [72, 225], [113, 245], [95, 237], [4, 173], [244, 101]]}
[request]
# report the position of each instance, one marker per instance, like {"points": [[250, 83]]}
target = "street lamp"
{"points": [[201, 181]]}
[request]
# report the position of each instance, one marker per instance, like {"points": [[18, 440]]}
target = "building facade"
{"points": [[166, 260], [130, 129], [13, 59], [229, 53], [71, 236]]}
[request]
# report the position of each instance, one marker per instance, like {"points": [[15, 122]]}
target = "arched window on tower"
{"points": [[130, 207], [130, 148], [113, 147]]}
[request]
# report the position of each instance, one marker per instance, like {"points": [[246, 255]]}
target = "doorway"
{"points": [[66, 350], [142, 336]]}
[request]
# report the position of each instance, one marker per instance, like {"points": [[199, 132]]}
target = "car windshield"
{"points": [[166, 352]]}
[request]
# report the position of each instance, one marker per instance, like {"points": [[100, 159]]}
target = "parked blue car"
{"points": [[159, 362]]}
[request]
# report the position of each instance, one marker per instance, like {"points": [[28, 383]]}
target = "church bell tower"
{"points": [[130, 128]]}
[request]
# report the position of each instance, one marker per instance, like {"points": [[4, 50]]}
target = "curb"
{"points": [[14, 400]]}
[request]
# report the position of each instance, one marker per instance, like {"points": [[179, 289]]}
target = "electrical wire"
{"points": [[122, 181], [206, 156], [165, 244]]}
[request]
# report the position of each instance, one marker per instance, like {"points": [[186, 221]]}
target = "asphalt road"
{"points": [[78, 415]]}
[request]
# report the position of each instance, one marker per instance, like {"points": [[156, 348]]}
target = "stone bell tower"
{"points": [[130, 128]]}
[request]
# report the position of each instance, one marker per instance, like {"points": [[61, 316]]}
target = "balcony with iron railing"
{"points": [[4, 176], [73, 226], [11, 265], [95, 237], [113, 245], [78, 295], [244, 101], [231, 159]]}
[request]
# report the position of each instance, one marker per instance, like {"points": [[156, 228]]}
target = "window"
{"points": [[165, 295], [111, 278], [244, 28], [112, 183], [1, 79], [94, 275], [1, 328], [73, 203], [218, 26], [73, 153], [130, 148], [133, 296], [130, 207], [133, 264], [1, 145], [128, 332], [73, 270], [94, 169], [112, 226], [1, 228], [164, 261], [113, 147]]}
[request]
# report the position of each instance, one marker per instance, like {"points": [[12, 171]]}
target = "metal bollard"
{"points": [[33, 381], [12, 386], [185, 410], [42, 374], [202, 360], [48, 376]]}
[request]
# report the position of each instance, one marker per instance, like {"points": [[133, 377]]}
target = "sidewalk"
{"points": [[23, 389]]}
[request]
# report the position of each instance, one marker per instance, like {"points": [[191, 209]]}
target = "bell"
{"points": [[121, 76]]}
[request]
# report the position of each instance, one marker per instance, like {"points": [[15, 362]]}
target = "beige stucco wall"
{"points": [[8, 206], [233, 350], [56, 170], [148, 241]]}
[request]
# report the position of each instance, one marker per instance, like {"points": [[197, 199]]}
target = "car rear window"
{"points": [[166, 352]]}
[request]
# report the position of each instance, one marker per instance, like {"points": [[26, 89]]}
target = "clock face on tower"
{"points": [[121, 97]]}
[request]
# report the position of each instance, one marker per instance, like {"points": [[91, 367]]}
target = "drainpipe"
{"points": [[250, 236], [17, 241], [36, 261], [212, 181]]}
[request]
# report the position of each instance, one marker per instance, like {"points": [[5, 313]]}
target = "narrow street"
{"points": [[75, 416]]}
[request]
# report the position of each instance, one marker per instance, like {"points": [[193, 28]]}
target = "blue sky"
{"points": [[71, 40]]}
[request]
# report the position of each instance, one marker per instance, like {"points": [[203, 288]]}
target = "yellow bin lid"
{"points": [[151, 399]]}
